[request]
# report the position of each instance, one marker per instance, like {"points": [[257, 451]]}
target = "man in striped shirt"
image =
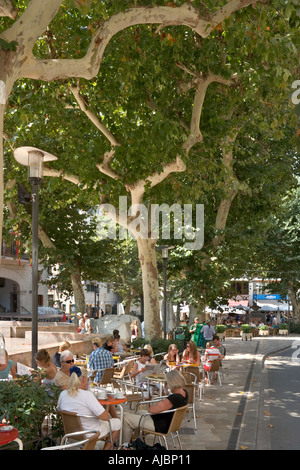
{"points": [[211, 353]]}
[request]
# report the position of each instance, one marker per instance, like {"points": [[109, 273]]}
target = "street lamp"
{"points": [[34, 159]]}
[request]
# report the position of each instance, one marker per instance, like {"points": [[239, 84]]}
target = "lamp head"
{"points": [[33, 158]]}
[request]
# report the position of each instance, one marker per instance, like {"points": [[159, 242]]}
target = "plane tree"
{"points": [[144, 95]]}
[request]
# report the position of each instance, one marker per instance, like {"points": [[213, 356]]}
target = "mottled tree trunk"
{"points": [[147, 257], [78, 291]]}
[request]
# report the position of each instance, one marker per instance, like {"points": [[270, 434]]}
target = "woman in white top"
{"points": [[48, 370], [80, 400], [139, 368]]}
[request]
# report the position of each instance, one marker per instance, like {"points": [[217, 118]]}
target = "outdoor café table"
{"points": [[10, 436], [160, 378], [187, 364], [111, 400], [80, 362], [184, 365], [134, 351]]}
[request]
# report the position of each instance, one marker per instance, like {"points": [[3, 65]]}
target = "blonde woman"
{"points": [[48, 369], [191, 355], [80, 400], [151, 359], [159, 422], [172, 355], [134, 330]]}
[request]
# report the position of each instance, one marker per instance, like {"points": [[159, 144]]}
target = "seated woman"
{"points": [[9, 368], [172, 356], [157, 421], [191, 355], [117, 345], [49, 370], [151, 359], [78, 399], [122, 346], [63, 375], [63, 347]]}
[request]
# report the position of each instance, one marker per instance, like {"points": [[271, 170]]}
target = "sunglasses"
{"points": [[71, 361]]}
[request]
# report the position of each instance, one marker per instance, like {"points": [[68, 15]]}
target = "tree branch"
{"points": [[92, 116], [7, 8], [88, 66]]}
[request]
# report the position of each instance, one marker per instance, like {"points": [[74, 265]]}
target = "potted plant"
{"points": [[24, 404], [220, 331], [263, 330], [283, 329], [246, 332]]}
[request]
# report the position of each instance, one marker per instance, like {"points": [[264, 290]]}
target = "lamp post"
{"points": [[34, 158]]}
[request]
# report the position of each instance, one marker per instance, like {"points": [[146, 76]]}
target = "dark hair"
{"points": [[144, 352], [43, 355], [215, 337]]}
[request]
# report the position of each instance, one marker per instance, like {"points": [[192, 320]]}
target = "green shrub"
{"points": [[24, 404], [263, 327], [220, 328], [246, 328], [283, 326], [295, 327], [159, 345]]}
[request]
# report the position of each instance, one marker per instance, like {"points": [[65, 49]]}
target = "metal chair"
{"points": [[214, 369], [200, 380], [173, 431], [129, 368], [190, 387], [85, 444], [132, 392], [72, 425], [107, 377], [119, 372]]}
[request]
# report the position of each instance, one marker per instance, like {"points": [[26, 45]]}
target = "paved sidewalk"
{"points": [[228, 414]]}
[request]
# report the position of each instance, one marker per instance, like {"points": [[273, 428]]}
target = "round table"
{"points": [[111, 400], [186, 364], [10, 436]]}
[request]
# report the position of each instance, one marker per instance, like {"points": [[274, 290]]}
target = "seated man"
{"points": [[102, 359], [219, 346], [139, 368]]}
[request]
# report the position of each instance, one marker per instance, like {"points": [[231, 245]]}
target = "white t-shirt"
{"points": [[85, 403], [142, 376]]}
